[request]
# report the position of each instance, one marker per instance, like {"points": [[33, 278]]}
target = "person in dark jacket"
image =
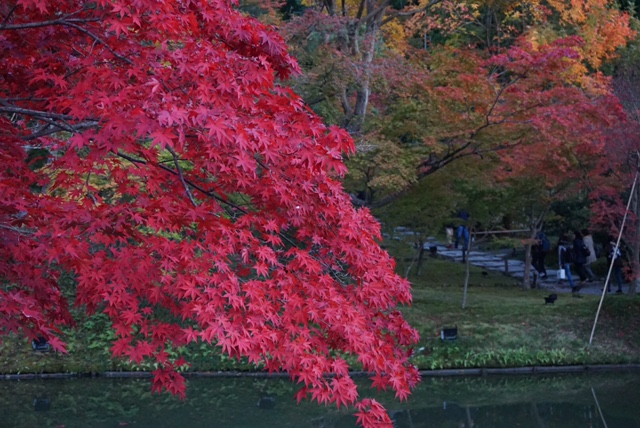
{"points": [[462, 237], [539, 252], [565, 258]]}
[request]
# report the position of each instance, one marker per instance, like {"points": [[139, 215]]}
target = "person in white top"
{"points": [[588, 242]]}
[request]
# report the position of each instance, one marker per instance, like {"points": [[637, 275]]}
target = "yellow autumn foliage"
{"points": [[394, 36]]}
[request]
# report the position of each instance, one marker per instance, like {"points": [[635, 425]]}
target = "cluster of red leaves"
{"points": [[192, 198], [534, 105]]}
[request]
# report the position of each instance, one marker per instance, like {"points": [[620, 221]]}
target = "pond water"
{"points": [[610, 400]]}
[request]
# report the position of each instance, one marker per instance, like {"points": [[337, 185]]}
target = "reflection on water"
{"points": [[595, 401]]}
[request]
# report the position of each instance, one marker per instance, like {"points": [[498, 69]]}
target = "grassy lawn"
{"points": [[502, 326], [506, 326]]}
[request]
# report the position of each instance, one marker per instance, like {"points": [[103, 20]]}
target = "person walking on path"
{"points": [[463, 238], [615, 254], [565, 259], [539, 252], [580, 254], [462, 234], [449, 231], [592, 257]]}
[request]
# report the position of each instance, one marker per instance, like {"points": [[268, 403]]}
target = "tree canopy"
{"points": [[149, 151]]}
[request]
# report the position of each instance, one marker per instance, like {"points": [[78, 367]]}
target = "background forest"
{"points": [[524, 114]]}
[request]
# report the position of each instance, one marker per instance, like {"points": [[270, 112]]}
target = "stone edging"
{"points": [[423, 373]]}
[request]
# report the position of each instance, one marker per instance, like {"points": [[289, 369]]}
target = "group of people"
{"points": [[581, 253]]}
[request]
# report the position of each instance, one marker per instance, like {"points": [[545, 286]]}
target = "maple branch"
{"points": [[61, 21], [132, 159], [65, 126], [6, 18], [55, 121], [19, 230], [54, 127], [68, 22], [99, 40], [497, 98], [189, 182], [431, 165], [410, 12], [181, 175], [89, 192], [5, 100], [8, 108], [373, 14]]}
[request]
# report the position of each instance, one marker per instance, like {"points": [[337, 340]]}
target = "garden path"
{"points": [[500, 261]]}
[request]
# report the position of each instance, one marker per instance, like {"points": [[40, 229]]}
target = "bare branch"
{"points": [[8, 108], [99, 40], [20, 230], [371, 15], [410, 12], [187, 181], [6, 18], [181, 175], [40, 24], [55, 121], [54, 127], [498, 95]]}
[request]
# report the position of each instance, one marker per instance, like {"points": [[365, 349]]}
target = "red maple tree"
{"points": [[148, 150]]}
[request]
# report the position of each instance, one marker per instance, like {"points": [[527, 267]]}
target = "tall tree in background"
{"points": [[148, 151], [340, 41], [436, 90]]}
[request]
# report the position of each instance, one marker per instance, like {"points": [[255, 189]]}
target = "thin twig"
{"points": [[181, 175], [6, 18]]}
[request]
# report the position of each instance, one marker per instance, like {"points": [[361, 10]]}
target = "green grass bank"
{"points": [[502, 326]]}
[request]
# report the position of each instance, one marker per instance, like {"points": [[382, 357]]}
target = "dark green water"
{"points": [[567, 401]]}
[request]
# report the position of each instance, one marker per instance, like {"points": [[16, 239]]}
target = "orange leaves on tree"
{"points": [[600, 23]]}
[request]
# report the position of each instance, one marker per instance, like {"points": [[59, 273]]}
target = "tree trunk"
{"points": [[354, 124], [536, 224], [355, 116], [420, 257], [413, 260], [331, 7], [363, 45], [467, 267], [526, 280]]}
